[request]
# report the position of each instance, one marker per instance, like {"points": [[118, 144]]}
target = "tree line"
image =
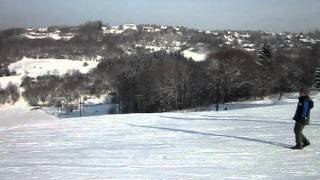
{"points": [[161, 81]]}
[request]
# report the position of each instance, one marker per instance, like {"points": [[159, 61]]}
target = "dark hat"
{"points": [[304, 90]]}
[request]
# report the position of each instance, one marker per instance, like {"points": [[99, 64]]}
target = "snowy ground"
{"points": [[16, 80], [196, 56], [249, 143], [39, 67]]}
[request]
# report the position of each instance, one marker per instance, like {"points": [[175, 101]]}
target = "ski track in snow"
{"points": [[247, 143]]}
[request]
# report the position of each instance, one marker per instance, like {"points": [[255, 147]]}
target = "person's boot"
{"points": [[297, 147], [305, 144]]}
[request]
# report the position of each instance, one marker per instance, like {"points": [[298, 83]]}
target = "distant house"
{"points": [[114, 30], [150, 29], [249, 47], [171, 29], [247, 35], [164, 27], [229, 38], [104, 28], [44, 29], [130, 27], [30, 29], [308, 40]]}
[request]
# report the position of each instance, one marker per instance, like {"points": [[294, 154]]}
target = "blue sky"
{"points": [[270, 15]]}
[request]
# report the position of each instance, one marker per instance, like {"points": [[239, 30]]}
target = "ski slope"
{"points": [[250, 143]]}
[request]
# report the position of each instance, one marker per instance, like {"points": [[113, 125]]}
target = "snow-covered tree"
{"points": [[233, 69]]}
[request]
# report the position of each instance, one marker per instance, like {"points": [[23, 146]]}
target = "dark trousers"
{"points": [[300, 138]]}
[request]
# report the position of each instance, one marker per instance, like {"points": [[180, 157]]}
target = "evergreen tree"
{"points": [[317, 78], [265, 56], [265, 61]]}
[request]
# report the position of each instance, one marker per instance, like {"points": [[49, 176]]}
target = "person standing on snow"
{"points": [[302, 118]]}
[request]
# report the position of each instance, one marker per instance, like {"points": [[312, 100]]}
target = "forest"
{"points": [[160, 81]]}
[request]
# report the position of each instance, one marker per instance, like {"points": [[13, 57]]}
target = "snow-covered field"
{"points": [[16, 80], [249, 143], [39, 67], [44, 35], [196, 56]]}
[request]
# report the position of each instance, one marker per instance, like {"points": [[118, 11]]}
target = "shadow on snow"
{"points": [[215, 135], [221, 118]]}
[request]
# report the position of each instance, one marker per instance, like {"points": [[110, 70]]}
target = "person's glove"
{"points": [[305, 118]]}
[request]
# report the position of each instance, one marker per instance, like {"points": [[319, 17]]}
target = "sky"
{"points": [[267, 15]]}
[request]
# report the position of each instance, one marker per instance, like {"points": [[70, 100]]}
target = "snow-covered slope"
{"points": [[37, 67], [247, 143]]}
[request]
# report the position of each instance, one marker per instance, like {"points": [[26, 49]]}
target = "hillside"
{"points": [[250, 143], [95, 39], [151, 68]]}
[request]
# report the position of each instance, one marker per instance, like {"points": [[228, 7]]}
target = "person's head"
{"points": [[304, 91]]}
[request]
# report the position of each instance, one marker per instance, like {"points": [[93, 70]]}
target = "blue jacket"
{"points": [[302, 114]]}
